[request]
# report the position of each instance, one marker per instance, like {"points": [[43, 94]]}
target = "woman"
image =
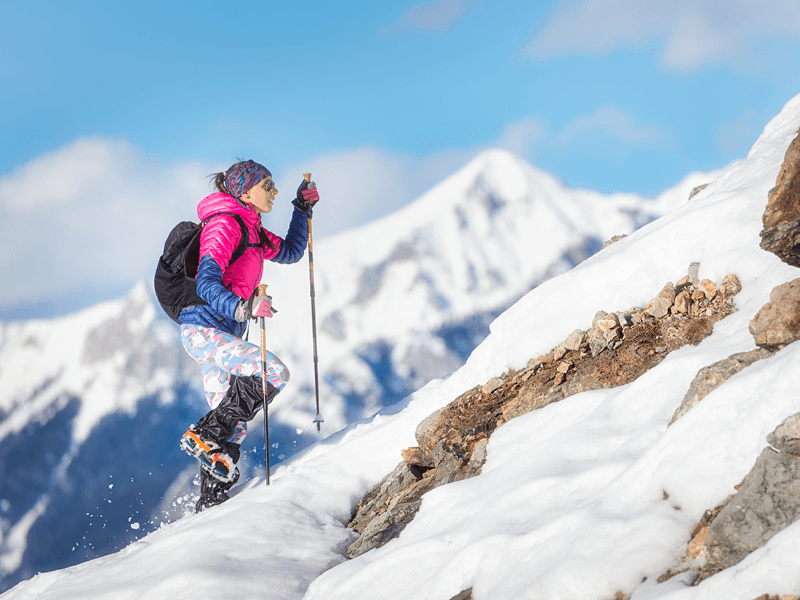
{"points": [[212, 333]]}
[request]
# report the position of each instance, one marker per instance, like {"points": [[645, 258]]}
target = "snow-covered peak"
{"points": [[110, 356], [591, 497]]}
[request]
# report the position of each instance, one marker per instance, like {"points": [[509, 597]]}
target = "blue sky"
{"points": [[113, 113]]}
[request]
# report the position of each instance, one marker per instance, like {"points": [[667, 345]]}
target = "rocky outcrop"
{"points": [[697, 190], [781, 233], [711, 377], [777, 324], [613, 240], [768, 500], [617, 349]]}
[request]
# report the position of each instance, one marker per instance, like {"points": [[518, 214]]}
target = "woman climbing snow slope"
{"points": [[212, 333]]}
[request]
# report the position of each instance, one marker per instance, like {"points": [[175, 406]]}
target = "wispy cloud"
{"points": [[695, 33], [610, 123], [435, 17], [362, 184], [95, 212]]}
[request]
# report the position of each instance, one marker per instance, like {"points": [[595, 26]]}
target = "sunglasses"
{"points": [[269, 185]]}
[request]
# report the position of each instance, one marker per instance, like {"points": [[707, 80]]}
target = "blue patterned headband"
{"points": [[243, 176]]}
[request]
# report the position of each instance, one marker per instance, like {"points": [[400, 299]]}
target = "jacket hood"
{"points": [[218, 203]]}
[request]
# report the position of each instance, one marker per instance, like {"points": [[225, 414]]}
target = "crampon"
{"points": [[213, 460]]}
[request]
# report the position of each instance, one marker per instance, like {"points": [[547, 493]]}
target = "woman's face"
{"points": [[261, 195]]}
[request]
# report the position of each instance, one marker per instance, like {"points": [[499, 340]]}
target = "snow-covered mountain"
{"points": [[591, 497], [406, 298], [96, 401]]}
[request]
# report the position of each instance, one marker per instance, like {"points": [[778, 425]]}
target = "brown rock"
{"points": [[605, 322], [709, 289], [777, 324], [697, 545], [781, 233], [668, 292], [415, 456], [614, 239], [564, 367], [682, 302], [492, 385], [730, 286], [698, 295]]}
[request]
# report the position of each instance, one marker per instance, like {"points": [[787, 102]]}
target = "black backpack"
{"points": [[175, 283]]}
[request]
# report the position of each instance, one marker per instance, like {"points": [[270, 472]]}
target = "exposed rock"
{"points": [[613, 240], [709, 289], [786, 437], [781, 233], [694, 269], [492, 385], [777, 324], [661, 304], [697, 544], [388, 507], [574, 340], [697, 190], [604, 321], [730, 286], [683, 302], [659, 308], [767, 502], [616, 350], [415, 456], [465, 595], [711, 377], [597, 345]]}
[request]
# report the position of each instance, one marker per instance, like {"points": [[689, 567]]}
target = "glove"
{"points": [[307, 197], [256, 306]]}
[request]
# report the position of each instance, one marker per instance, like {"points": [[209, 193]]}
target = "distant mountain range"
{"points": [[92, 404]]}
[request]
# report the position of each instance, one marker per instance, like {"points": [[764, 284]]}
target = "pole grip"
{"points": [[262, 289]]}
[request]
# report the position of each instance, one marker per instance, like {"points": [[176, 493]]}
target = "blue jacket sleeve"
{"points": [[211, 289], [294, 245]]}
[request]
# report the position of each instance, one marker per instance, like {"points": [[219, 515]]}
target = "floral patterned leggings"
{"points": [[221, 355]]}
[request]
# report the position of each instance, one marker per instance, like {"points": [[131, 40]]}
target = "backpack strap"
{"points": [[244, 242]]}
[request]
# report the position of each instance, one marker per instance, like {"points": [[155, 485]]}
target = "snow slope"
{"points": [[399, 302], [571, 502]]}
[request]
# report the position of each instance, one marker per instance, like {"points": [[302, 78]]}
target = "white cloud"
{"points": [[694, 32], [610, 123], [438, 16], [524, 138], [93, 213], [360, 185]]}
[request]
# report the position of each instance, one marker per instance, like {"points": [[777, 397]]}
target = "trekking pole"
{"points": [[318, 419], [262, 291]]}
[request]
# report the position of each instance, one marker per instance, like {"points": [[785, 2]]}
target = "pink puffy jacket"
{"points": [[223, 284]]}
